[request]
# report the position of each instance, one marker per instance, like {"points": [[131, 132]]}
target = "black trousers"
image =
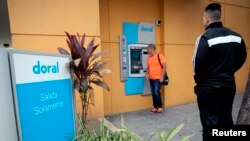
{"points": [[215, 106], [155, 86]]}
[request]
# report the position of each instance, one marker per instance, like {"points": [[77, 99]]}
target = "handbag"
{"points": [[165, 77]]}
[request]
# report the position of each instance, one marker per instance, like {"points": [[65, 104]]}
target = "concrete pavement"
{"points": [[145, 123]]}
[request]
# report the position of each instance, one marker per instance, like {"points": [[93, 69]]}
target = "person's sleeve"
{"points": [[241, 55], [162, 59], [201, 57]]}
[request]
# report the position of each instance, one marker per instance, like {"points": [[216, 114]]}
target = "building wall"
{"points": [[40, 26], [113, 13], [237, 17], [182, 24]]}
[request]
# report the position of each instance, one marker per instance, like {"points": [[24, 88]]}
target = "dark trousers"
{"points": [[215, 105], [156, 94]]}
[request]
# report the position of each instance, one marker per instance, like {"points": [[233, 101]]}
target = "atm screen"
{"points": [[135, 55]]}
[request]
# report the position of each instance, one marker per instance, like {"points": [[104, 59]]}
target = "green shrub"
{"points": [[123, 134], [87, 69]]}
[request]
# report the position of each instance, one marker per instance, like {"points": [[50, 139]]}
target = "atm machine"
{"points": [[137, 65], [137, 59]]}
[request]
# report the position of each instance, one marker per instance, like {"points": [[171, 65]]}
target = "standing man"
{"points": [[219, 53], [155, 74]]}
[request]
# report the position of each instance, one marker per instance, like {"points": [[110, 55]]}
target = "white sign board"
{"points": [[43, 96], [146, 33]]}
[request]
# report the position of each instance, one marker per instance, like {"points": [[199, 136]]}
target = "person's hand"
{"points": [[161, 80], [147, 75]]}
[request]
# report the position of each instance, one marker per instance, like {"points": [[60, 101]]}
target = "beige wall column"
{"points": [[40, 26]]}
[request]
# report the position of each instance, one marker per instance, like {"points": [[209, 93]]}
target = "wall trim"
{"points": [[5, 34]]}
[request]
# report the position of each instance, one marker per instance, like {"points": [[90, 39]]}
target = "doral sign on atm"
{"points": [[146, 33], [147, 29]]}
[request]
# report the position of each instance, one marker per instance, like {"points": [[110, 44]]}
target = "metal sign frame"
{"points": [[8, 125]]}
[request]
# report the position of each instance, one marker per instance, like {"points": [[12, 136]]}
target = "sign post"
{"points": [[43, 96]]}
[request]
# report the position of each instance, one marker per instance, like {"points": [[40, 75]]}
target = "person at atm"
{"points": [[156, 67]]}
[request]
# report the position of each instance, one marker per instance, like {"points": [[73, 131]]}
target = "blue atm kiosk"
{"points": [[133, 57]]}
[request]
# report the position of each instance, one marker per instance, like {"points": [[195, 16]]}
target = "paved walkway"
{"points": [[145, 123]]}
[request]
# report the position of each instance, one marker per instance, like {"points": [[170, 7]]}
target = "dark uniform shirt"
{"points": [[219, 53]]}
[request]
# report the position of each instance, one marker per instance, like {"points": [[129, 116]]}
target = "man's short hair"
{"points": [[152, 46], [214, 11]]}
